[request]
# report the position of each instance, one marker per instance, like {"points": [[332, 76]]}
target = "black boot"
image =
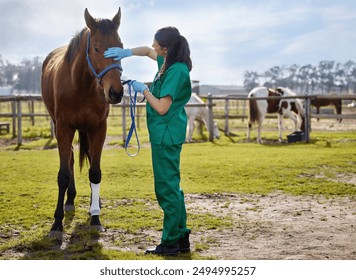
{"points": [[184, 244], [164, 250]]}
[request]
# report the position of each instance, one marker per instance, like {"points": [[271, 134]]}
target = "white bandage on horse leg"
{"points": [[94, 207]]}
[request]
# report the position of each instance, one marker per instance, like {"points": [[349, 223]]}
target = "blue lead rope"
{"points": [[133, 98]]}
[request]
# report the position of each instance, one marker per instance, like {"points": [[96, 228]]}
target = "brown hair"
{"points": [[177, 47]]}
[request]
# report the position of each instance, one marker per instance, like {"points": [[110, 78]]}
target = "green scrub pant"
{"points": [[170, 197]]}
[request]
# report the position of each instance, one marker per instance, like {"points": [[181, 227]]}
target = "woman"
{"points": [[166, 122]]}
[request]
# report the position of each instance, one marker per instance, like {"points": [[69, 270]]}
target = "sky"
{"points": [[226, 37]]}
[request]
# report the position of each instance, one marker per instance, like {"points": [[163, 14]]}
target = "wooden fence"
{"points": [[308, 112], [17, 115]]}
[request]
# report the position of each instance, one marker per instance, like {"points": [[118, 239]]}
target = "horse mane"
{"points": [[74, 45], [105, 26]]}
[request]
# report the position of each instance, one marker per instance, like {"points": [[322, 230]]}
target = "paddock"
{"points": [[234, 211]]}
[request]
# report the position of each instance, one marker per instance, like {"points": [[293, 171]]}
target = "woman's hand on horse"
{"points": [[118, 53], [139, 87]]}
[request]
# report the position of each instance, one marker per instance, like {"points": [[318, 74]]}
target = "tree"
{"points": [[8, 73], [29, 75], [251, 80], [306, 78], [350, 75], [273, 77], [326, 75]]}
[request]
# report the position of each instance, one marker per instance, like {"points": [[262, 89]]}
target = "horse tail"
{"points": [[83, 149], [254, 112]]}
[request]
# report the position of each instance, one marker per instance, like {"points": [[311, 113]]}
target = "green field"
{"points": [[28, 189]]}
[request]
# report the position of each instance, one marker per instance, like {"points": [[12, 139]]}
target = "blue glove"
{"points": [[118, 53], [139, 87]]}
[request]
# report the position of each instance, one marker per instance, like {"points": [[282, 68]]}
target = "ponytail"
{"points": [[184, 52]]}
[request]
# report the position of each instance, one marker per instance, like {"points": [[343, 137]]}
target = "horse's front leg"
{"points": [[96, 143], [190, 129], [71, 192], [64, 137], [280, 127]]}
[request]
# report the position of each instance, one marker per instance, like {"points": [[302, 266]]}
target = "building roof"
{"points": [[222, 90]]}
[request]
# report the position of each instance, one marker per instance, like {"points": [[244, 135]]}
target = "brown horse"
{"points": [[320, 102], [77, 98]]}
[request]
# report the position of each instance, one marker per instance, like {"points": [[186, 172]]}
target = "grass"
{"points": [[28, 188]]}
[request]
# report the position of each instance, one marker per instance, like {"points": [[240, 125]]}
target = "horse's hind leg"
{"points": [[259, 126], [249, 127], [338, 107]]}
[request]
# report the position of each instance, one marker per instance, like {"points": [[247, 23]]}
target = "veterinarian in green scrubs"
{"points": [[167, 122]]}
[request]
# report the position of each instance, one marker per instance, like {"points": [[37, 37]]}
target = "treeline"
{"points": [[326, 77], [24, 76]]}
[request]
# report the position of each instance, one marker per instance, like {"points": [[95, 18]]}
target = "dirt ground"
{"points": [[280, 226], [272, 227]]}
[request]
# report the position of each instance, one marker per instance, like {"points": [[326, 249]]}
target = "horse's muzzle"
{"points": [[115, 97]]}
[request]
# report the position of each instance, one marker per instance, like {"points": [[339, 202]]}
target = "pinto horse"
{"points": [[78, 84], [292, 108], [323, 101]]}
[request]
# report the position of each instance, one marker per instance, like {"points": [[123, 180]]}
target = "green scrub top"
{"points": [[176, 83]]}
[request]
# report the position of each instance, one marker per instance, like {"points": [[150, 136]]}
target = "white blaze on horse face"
{"points": [[95, 207]]}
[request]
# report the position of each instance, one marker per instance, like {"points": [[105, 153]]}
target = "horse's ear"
{"points": [[117, 18], [90, 21]]}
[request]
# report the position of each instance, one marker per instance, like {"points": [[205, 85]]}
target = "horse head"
{"points": [[103, 34]]}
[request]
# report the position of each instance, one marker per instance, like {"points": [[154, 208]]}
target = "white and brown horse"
{"points": [[292, 108], [201, 114]]}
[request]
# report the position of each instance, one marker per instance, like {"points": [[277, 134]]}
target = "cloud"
{"points": [[226, 37]]}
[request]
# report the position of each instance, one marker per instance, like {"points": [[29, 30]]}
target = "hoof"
{"points": [[98, 228], [95, 223], [69, 208], [56, 234]]}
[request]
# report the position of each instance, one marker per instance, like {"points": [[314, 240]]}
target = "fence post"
{"points": [[52, 128], [307, 118], [19, 123], [31, 106], [227, 108], [243, 110], [211, 122], [13, 108]]}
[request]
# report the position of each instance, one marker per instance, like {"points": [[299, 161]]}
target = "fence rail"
{"points": [[308, 115], [17, 114]]}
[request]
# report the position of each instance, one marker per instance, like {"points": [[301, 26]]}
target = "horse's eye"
{"points": [[96, 49]]}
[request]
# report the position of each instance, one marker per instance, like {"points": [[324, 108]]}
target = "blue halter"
{"points": [[107, 69]]}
